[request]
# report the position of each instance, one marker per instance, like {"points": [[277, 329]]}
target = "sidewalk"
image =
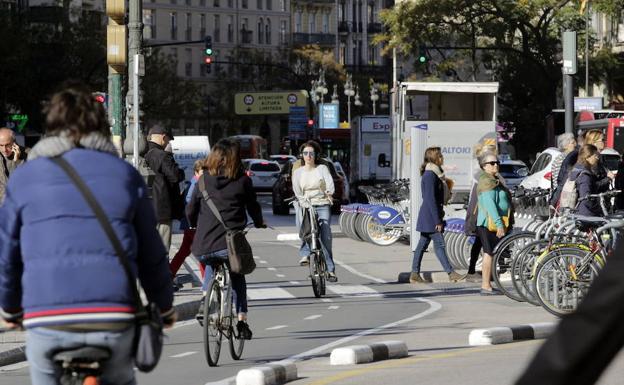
{"points": [[186, 302]]}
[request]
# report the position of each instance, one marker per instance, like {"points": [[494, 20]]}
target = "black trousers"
{"points": [[586, 341], [474, 255]]}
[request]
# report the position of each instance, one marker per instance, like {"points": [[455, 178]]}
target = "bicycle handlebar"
{"points": [[606, 194]]}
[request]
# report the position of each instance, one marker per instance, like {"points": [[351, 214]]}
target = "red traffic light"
{"points": [[99, 97], [310, 122], [208, 60]]}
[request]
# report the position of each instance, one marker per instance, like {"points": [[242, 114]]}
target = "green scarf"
{"points": [[487, 182]]}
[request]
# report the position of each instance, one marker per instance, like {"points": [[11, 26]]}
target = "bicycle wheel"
{"points": [[380, 234], [524, 270], [502, 263], [563, 279], [237, 343], [322, 273], [212, 323], [314, 275]]}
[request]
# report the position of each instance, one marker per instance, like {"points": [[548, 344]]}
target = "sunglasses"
{"points": [[492, 163], [308, 153]]}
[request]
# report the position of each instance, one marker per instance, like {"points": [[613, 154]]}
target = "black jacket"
{"points": [[234, 198], [166, 195]]}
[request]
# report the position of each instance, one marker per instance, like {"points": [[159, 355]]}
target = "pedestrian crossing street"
{"points": [[262, 292]]}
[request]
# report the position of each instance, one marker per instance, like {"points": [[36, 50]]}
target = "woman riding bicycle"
{"points": [[233, 194], [313, 183]]}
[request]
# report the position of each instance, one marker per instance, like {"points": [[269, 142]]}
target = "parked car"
{"points": [[283, 159], [514, 172], [283, 190], [263, 173], [541, 170]]}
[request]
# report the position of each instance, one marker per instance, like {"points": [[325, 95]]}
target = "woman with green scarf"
{"points": [[494, 217]]}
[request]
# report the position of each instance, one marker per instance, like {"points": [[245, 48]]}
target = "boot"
{"points": [[454, 276], [416, 278]]}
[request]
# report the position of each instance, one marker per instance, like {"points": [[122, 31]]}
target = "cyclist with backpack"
{"points": [[583, 181]]}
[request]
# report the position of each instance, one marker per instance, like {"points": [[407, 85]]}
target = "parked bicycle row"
{"points": [[384, 220]]}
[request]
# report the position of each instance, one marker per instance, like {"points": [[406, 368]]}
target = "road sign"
{"points": [[569, 52], [297, 121], [588, 104], [328, 115], [268, 103]]}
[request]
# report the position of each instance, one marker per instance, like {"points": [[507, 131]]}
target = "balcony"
{"points": [[314, 38], [246, 36], [343, 27], [373, 28]]}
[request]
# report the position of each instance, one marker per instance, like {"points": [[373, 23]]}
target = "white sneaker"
{"points": [[304, 261]]}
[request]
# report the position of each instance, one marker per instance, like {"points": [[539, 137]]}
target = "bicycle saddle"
{"points": [[84, 354], [588, 223], [542, 218]]}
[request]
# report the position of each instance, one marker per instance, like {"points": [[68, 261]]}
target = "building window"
{"points": [[372, 57], [342, 54], [216, 3], [174, 1], [282, 5], [371, 13], [283, 32], [187, 2], [260, 32], [267, 32], [312, 23], [230, 29], [202, 26], [269, 5], [231, 3], [188, 68], [325, 22], [173, 25], [174, 55], [298, 17], [217, 29], [342, 11], [202, 3], [188, 29], [149, 21], [259, 4], [245, 4]]}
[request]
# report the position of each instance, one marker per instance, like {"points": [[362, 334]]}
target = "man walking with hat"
{"points": [[168, 200]]}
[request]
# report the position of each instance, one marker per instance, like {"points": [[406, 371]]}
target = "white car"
{"points": [[283, 159], [541, 171], [263, 173]]}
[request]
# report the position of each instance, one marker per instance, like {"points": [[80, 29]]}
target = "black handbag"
{"points": [[240, 255], [148, 339]]}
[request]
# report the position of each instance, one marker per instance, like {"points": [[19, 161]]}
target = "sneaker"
{"points": [[473, 278], [416, 278], [331, 277], [304, 261], [455, 276], [243, 330], [200, 312], [490, 292]]}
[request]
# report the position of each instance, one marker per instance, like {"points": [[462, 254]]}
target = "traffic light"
{"points": [[422, 54], [99, 97], [310, 123], [208, 52]]}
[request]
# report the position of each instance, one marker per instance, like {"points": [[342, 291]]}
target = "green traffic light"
{"points": [[422, 59], [208, 51]]}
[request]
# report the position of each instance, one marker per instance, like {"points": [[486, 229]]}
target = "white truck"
{"points": [[451, 115], [371, 150], [188, 149]]}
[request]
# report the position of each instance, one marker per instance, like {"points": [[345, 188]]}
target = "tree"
{"points": [[517, 41]]}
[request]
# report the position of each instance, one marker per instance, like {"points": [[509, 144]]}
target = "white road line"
{"points": [[326, 300], [295, 282], [256, 257], [184, 323], [353, 271], [353, 291], [315, 316], [10, 368], [182, 354], [433, 307], [268, 293], [280, 275], [261, 261], [277, 327], [271, 268], [333, 307]]}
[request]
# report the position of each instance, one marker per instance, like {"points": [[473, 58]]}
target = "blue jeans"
{"points": [[42, 342], [239, 284], [438, 246], [324, 218], [304, 249]]}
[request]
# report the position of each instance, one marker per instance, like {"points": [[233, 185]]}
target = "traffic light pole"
{"points": [[135, 38], [115, 113]]}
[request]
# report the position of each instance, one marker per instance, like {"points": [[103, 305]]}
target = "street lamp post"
{"points": [[374, 96], [357, 100], [349, 91], [317, 94]]}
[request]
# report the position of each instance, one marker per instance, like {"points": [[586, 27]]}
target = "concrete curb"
{"points": [[275, 373], [186, 311], [507, 334], [360, 354], [429, 276]]}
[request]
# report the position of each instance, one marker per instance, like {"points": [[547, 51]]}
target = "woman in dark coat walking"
{"points": [[430, 223]]}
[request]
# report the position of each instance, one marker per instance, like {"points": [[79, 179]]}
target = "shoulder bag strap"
{"points": [[202, 188], [106, 226]]}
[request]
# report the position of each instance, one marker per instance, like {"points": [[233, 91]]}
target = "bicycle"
{"points": [[81, 366], [317, 264], [219, 315]]}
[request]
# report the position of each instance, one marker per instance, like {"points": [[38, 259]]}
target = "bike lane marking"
{"points": [[311, 317], [185, 354], [277, 327]]}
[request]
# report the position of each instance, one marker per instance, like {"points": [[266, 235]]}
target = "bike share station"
{"points": [[455, 117]]}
